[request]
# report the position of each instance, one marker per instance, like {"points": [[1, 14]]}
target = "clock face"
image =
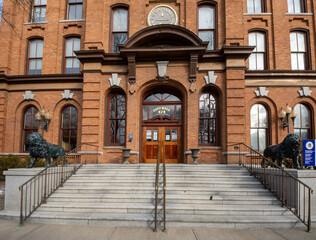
{"points": [[162, 14]]}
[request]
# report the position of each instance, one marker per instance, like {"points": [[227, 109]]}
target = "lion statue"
{"points": [[289, 148], [40, 148]]}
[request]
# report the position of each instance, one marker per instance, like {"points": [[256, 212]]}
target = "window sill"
{"points": [[113, 147], [256, 14], [299, 14], [34, 23], [72, 20]]}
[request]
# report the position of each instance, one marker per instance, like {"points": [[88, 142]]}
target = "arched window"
{"points": [[258, 127], [119, 27], [69, 128], [35, 56], [207, 24], [117, 119], [30, 124], [72, 64], [299, 51], [302, 125], [257, 60], [207, 119]]}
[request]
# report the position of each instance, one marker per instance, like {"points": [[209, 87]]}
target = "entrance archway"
{"points": [[162, 123]]}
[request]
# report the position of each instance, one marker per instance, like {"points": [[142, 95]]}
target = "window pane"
{"points": [[69, 45], [74, 118], [120, 20], [304, 134], [76, 45], [145, 112], [118, 38], [79, 11], [301, 42], [250, 6], [262, 139], [254, 139], [293, 39], [69, 62], [262, 116], [260, 42], [207, 36], [253, 62], [294, 63], [297, 6], [290, 6], [38, 66], [39, 51], [252, 39], [301, 61], [73, 139], [32, 66], [206, 18], [258, 6], [76, 68], [72, 12], [32, 49], [254, 116], [66, 118], [36, 14], [260, 61], [305, 116]]}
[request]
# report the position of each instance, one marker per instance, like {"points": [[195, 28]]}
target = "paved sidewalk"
{"points": [[10, 231]]}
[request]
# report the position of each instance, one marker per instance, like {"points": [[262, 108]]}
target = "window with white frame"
{"points": [[72, 64], [257, 60], [298, 51], [255, 6], [119, 27], [206, 25], [39, 10], [302, 125], [296, 6]]}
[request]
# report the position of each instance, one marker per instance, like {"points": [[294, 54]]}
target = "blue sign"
{"points": [[309, 152], [130, 136]]}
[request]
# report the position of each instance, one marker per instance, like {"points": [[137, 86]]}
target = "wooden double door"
{"points": [[170, 136]]}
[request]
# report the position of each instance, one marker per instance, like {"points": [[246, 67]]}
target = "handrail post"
{"points": [[44, 200], [156, 187], [309, 223], [21, 207]]}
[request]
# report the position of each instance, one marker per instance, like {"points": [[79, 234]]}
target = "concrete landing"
{"points": [[31, 231]]}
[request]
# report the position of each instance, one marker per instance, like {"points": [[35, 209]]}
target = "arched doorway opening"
{"points": [[162, 121]]}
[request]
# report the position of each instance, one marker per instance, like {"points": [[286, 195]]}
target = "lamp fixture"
{"points": [[45, 117], [287, 113]]}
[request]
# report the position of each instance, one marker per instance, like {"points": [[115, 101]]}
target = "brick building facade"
{"points": [[132, 74]]}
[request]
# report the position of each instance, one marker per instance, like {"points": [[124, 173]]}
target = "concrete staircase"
{"points": [[217, 196]]}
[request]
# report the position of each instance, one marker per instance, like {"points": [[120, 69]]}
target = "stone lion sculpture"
{"points": [[289, 148], [40, 148]]}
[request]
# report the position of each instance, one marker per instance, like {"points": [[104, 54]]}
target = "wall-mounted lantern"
{"points": [[45, 117], [288, 113]]}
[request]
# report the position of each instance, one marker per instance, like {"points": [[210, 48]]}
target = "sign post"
{"points": [[309, 153]]}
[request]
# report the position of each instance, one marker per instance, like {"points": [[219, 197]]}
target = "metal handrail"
{"points": [[287, 188], [38, 188], [164, 188], [156, 188]]}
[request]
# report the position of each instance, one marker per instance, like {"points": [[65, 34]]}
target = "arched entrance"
{"points": [[162, 123]]}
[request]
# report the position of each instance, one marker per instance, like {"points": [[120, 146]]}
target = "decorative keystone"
{"points": [[305, 92], [261, 92], [115, 80], [162, 69], [28, 95], [67, 95], [210, 78]]}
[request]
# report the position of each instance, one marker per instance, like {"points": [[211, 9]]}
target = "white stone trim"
{"points": [[234, 153], [72, 20], [34, 23], [257, 14]]}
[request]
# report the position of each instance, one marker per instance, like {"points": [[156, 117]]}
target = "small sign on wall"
{"points": [[309, 153]]}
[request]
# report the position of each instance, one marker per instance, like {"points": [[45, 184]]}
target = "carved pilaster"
{"points": [[193, 67], [131, 69]]}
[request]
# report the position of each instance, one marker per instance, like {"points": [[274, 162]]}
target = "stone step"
{"points": [[203, 172], [172, 190], [103, 219], [181, 199], [103, 177], [241, 210]]}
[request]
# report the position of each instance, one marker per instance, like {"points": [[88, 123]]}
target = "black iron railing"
{"points": [[36, 190], [292, 192]]}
